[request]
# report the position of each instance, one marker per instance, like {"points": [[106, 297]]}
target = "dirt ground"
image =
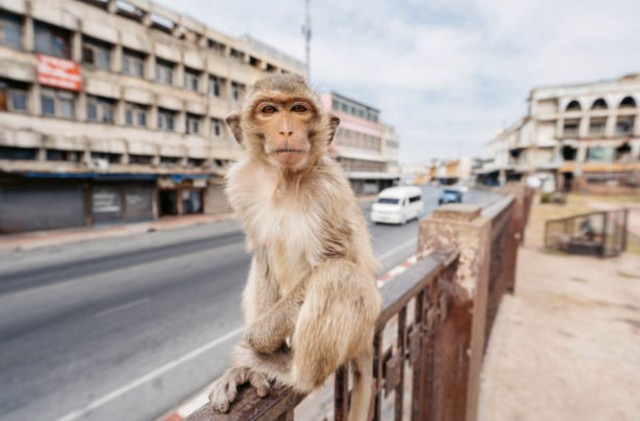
{"points": [[566, 346]]}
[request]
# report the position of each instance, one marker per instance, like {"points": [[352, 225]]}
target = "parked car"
{"points": [[450, 196], [397, 205]]}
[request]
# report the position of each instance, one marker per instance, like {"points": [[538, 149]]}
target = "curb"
{"points": [[196, 401]]}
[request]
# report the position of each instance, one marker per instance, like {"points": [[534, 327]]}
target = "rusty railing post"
{"points": [[460, 341]]}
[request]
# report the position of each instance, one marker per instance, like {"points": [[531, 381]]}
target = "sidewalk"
{"points": [[32, 240], [566, 346]]}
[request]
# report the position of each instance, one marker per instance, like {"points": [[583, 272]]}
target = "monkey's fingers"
{"points": [[225, 389], [260, 382]]}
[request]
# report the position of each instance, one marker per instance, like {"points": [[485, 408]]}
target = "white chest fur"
{"points": [[279, 225]]}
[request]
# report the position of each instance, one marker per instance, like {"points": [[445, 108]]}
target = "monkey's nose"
{"points": [[286, 133]]}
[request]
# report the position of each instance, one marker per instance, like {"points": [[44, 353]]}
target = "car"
{"points": [[397, 205], [450, 196]]}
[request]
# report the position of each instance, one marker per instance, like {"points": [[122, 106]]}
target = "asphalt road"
{"points": [[126, 328]]}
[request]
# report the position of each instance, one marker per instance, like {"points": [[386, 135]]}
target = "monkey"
{"points": [[311, 301]]}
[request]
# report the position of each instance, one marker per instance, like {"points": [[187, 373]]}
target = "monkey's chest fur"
{"points": [[281, 227]]}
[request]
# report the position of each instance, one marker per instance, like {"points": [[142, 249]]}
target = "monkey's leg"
{"points": [[336, 321], [269, 331]]}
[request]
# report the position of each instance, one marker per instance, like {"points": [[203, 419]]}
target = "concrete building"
{"points": [[451, 171], [112, 111], [366, 149], [584, 137]]}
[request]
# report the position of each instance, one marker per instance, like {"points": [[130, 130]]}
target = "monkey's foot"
{"points": [[225, 390]]}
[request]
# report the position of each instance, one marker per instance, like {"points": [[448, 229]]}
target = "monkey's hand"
{"points": [[269, 332], [225, 389], [264, 337]]}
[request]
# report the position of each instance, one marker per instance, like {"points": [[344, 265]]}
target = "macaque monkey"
{"points": [[311, 300]]}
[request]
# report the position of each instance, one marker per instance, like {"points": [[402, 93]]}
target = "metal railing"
{"points": [[414, 306], [601, 234]]}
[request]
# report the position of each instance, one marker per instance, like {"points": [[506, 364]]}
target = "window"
{"points": [[22, 154], [254, 62], [573, 106], [335, 104], [112, 158], [100, 109], [57, 103], [96, 53], [215, 129], [140, 159], [169, 161], [133, 63], [166, 119], [215, 46], [215, 86], [195, 162], [599, 104], [13, 96], [271, 68], [571, 127], [53, 41], [238, 55], [624, 125], [135, 115], [10, 30], [191, 79], [237, 90], [193, 124], [164, 71], [597, 126], [600, 153], [628, 102], [66, 156]]}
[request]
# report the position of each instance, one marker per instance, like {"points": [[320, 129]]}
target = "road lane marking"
{"points": [[128, 269], [121, 307], [93, 405]]}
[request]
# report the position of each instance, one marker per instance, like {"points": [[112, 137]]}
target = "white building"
{"points": [[584, 136]]}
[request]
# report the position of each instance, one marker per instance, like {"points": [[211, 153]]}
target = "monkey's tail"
{"points": [[362, 392]]}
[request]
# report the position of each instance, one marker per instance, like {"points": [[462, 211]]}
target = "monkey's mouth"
{"points": [[292, 151]]}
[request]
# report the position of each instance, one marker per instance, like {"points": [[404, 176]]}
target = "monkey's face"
{"points": [[283, 123]]}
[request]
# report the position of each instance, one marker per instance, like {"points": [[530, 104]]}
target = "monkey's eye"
{"points": [[268, 109], [299, 108]]}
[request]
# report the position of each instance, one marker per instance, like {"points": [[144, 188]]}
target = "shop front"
{"points": [[182, 195]]}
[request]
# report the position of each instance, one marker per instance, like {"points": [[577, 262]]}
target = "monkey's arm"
{"points": [[269, 331]]}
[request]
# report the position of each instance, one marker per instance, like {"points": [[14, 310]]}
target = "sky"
{"points": [[448, 74]]}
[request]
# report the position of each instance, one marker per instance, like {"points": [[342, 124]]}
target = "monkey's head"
{"points": [[283, 122]]}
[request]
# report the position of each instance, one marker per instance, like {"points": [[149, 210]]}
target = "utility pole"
{"points": [[306, 31]]}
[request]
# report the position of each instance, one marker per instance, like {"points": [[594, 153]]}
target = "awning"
{"points": [[93, 176]]}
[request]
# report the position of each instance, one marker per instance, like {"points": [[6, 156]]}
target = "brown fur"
{"points": [[312, 277]]}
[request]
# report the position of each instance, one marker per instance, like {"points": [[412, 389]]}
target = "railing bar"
{"points": [[401, 344], [398, 293], [341, 394], [377, 368], [417, 367]]}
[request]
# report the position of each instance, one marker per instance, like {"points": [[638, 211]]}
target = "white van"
{"points": [[397, 205]]}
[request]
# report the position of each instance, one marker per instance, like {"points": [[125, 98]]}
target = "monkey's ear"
{"points": [[334, 121], [233, 123]]}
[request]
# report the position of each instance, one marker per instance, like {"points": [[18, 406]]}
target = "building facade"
{"points": [[575, 137], [112, 110], [366, 149]]}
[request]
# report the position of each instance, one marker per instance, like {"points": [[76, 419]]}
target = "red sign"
{"points": [[59, 73]]}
